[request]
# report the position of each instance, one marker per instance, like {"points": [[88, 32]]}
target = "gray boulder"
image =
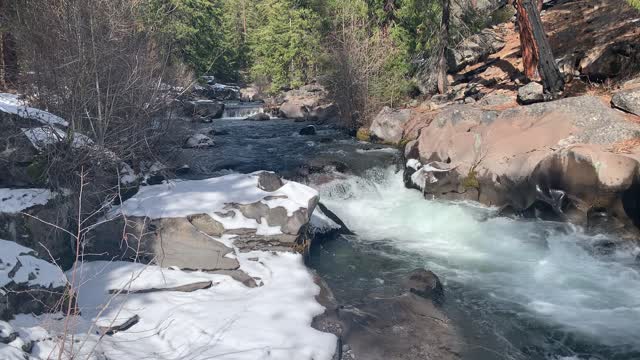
{"points": [[531, 93], [388, 125], [474, 49], [203, 108], [628, 101], [324, 113], [198, 141]]}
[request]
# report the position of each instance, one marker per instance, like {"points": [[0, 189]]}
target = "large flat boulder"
{"points": [[555, 153], [189, 224]]}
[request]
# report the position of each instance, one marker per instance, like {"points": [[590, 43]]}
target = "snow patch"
{"points": [[13, 201], [18, 265], [227, 321], [12, 104], [42, 137], [211, 196]]}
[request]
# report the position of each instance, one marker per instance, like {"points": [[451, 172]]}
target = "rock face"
{"points": [[551, 154], [531, 93], [183, 224], [628, 101], [208, 109], [30, 230], [388, 125], [198, 141], [29, 284], [403, 327], [474, 49]]}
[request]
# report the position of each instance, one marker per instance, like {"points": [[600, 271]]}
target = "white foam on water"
{"points": [[544, 268]]}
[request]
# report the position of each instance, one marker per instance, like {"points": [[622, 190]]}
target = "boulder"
{"points": [[531, 93], [426, 284], [610, 60], [259, 117], [198, 141], [324, 113], [25, 217], [529, 155], [29, 284], [219, 92], [308, 130], [299, 103], [388, 125], [208, 109], [182, 224], [474, 49], [250, 94], [628, 101]]}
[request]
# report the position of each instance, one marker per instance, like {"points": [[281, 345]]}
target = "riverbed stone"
{"points": [[198, 141], [204, 109], [308, 130], [259, 117]]}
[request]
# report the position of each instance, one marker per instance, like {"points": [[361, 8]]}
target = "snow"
{"points": [[414, 164], [12, 104], [41, 137], [227, 321], [32, 272], [212, 197], [127, 174], [13, 201]]}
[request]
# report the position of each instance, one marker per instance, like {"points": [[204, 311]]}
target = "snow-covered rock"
{"points": [[25, 215], [42, 137], [12, 104], [178, 223], [27, 283]]}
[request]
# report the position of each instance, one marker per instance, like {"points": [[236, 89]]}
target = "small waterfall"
{"points": [[241, 110]]}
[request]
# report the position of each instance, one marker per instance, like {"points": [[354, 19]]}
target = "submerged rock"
{"points": [[308, 130]]}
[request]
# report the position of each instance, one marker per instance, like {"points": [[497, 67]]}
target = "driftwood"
{"points": [[111, 330], [182, 288]]}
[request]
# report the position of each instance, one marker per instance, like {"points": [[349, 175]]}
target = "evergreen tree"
{"points": [[285, 45]]}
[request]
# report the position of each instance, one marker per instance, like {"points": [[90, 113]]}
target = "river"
{"points": [[514, 288]]}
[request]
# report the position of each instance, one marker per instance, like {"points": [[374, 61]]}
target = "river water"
{"points": [[514, 288]]}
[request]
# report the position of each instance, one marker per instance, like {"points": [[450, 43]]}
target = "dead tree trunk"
{"points": [[547, 67], [443, 84], [3, 80], [528, 45]]}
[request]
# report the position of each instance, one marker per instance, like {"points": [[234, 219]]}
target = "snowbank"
{"points": [[41, 137], [227, 321], [13, 201], [212, 197], [11, 104], [17, 265]]}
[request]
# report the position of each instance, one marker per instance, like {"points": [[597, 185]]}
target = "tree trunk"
{"points": [[528, 45], [3, 81], [547, 67], [443, 84]]}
